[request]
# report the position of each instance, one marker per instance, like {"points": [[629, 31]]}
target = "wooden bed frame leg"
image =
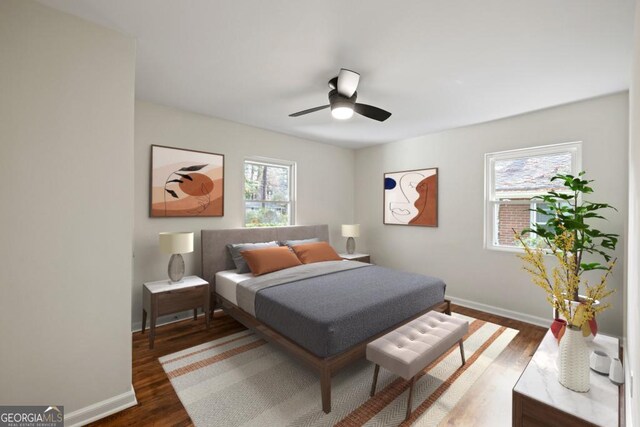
{"points": [[325, 388], [448, 309], [213, 303]]}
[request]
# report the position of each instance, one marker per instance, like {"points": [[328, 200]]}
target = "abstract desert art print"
{"points": [[186, 182], [411, 197]]}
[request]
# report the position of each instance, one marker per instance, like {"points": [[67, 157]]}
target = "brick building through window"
{"points": [[513, 178], [512, 217]]}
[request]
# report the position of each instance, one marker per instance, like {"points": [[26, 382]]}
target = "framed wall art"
{"points": [[411, 198], [186, 183]]}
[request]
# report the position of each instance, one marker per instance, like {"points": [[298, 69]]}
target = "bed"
{"points": [[323, 314]]}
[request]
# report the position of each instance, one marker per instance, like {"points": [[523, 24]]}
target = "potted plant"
{"points": [[569, 237]]}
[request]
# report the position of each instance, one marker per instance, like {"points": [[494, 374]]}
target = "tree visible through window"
{"points": [[268, 193], [513, 178]]}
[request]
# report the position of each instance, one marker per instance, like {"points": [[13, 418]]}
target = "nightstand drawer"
{"points": [[363, 258], [180, 299]]}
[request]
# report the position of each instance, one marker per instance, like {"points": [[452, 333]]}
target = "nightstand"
{"points": [[356, 257], [163, 297]]}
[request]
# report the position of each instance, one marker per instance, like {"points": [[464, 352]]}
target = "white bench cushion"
{"points": [[410, 348]]}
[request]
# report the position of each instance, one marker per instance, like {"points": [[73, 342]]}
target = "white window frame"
{"points": [[534, 214], [292, 185], [490, 201]]}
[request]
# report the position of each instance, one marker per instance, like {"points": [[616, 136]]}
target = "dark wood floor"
{"points": [[159, 405]]}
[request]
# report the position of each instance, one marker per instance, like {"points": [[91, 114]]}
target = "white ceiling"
{"points": [[435, 64]]}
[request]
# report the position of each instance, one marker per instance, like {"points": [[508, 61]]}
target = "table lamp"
{"points": [[176, 244], [351, 231]]}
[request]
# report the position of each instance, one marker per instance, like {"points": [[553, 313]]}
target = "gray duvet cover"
{"points": [[331, 312], [246, 291]]}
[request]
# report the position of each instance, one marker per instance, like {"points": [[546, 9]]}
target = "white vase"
{"points": [[573, 361]]}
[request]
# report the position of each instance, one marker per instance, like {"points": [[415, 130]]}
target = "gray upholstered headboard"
{"points": [[216, 257]]}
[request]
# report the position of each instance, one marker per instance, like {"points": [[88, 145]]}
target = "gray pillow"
{"points": [[299, 242], [236, 256]]}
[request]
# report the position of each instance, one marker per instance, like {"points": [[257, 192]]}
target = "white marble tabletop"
{"points": [[165, 285], [540, 382]]}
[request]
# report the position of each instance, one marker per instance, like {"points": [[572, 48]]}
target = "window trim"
{"points": [[490, 202], [534, 214], [268, 161]]}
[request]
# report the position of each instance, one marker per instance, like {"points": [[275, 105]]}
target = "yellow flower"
{"points": [[564, 281]]}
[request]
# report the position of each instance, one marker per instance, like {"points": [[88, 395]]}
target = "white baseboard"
{"points": [[102, 409], [535, 320]]}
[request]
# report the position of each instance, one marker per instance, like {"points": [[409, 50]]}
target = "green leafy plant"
{"points": [[569, 213]]}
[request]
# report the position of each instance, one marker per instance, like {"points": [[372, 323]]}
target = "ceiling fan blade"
{"points": [[310, 110], [372, 112], [347, 82]]}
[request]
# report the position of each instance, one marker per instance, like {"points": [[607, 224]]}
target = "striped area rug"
{"points": [[241, 380]]}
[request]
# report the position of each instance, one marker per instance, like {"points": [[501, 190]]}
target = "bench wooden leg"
{"points": [[462, 352], [375, 380], [413, 381]]}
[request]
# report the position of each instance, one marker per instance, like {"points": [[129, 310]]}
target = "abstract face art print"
{"points": [[186, 183], [411, 197]]}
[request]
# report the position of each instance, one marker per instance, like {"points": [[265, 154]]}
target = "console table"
{"points": [[540, 400]]}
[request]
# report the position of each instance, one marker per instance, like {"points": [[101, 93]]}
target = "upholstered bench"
{"points": [[413, 346]]}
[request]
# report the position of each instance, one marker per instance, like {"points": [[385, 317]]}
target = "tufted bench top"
{"points": [[413, 346]]}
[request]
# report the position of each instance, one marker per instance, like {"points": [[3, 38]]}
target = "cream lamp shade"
{"points": [[176, 242], [350, 230]]}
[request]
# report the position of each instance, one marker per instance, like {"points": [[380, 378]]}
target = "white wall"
{"points": [[66, 167], [324, 183], [454, 250], [632, 297]]}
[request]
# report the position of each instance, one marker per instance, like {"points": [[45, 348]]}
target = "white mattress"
{"points": [[226, 282]]}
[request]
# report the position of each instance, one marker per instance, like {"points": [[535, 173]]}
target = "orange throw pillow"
{"points": [[262, 261], [316, 252]]}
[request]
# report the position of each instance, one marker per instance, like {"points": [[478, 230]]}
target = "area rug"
{"points": [[241, 380]]}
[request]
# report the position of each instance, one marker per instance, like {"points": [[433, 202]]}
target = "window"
{"points": [[512, 178], [269, 192], [538, 218]]}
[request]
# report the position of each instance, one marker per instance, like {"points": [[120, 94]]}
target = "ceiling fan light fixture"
{"points": [[342, 112], [342, 100]]}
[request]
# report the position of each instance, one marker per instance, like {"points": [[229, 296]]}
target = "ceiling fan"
{"points": [[342, 99]]}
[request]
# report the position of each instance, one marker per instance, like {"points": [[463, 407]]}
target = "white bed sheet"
{"points": [[226, 282]]}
